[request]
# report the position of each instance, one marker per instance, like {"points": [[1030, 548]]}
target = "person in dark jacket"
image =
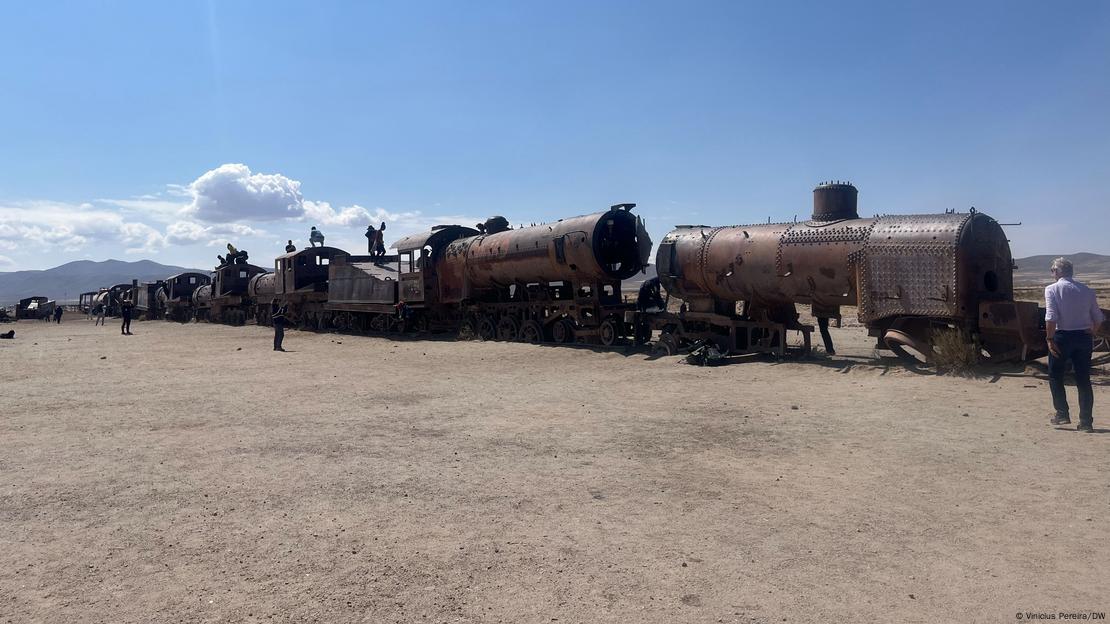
{"points": [[290, 247], [125, 307], [371, 238], [650, 297], [58, 314], [379, 242], [279, 319]]}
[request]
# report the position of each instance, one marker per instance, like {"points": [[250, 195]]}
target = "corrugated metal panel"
{"points": [[363, 282]]}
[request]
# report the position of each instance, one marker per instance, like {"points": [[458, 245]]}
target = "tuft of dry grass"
{"points": [[954, 350]]}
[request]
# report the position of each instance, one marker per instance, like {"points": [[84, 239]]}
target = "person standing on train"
{"points": [[290, 247], [1072, 316], [371, 238], [379, 243]]}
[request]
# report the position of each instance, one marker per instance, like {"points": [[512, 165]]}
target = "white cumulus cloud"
{"points": [[231, 193], [70, 227], [322, 212], [189, 232], [140, 238]]}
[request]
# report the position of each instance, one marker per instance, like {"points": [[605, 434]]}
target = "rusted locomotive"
{"points": [[149, 299], [177, 293], [558, 281], [908, 276], [740, 287], [227, 299], [37, 308]]}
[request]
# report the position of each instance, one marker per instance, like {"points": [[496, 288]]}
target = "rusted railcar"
{"points": [[362, 292], [33, 308], [558, 281], [908, 276], [116, 295], [178, 294], [149, 299], [86, 301], [229, 300], [395, 292]]}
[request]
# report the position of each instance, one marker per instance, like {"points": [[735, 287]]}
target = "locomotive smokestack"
{"points": [[833, 201]]}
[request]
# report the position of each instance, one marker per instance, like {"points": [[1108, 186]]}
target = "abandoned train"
{"points": [[739, 286]]}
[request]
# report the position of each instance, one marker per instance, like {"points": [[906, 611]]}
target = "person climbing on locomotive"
{"points": [[290, 247], [1072, 316], [315, 236]]}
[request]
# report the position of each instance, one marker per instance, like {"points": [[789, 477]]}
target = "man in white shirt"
{"points": [[1072, 316]]}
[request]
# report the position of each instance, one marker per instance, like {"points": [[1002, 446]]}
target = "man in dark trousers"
{"points": [[1072, 315], [650, 297], [58, 314], [379, 242], [279, 320], [125, 307], [371, 238]]}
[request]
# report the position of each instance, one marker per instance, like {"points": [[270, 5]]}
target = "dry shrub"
{"points": [[954, 350]]}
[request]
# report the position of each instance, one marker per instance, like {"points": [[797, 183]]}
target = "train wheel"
{"points": [[377, 323], [666, 345], [609, 332], [723, 344], [907, 348], [507, 329], [562, 332], [466, 330], [532, 332], [486, 329]]}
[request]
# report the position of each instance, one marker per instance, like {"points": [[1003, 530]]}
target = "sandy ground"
{"points": [[189, 473]]}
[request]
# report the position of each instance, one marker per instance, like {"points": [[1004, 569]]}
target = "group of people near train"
{"points": [[375, 240]]}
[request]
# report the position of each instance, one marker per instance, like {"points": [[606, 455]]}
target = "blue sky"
{"points": [[164, 129]]}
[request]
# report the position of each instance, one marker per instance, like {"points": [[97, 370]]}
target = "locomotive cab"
{"points": [[417, 259], [305, 270]]}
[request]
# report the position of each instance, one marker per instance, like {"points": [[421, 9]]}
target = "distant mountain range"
{"points": [[1034, 269], [68, 281]]}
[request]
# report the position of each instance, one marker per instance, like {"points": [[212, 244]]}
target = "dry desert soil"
{"points": [[188, 473]]}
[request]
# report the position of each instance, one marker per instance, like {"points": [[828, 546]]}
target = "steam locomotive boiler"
{"points": [[557, 281], [908, 275]]}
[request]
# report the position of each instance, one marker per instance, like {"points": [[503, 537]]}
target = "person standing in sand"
{"points": [[279, 320], [125, 308], [1072, 316]]}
